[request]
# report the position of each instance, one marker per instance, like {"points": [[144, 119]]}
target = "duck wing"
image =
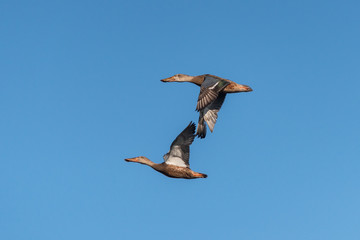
{"points": [[179, 153], [209, 91], [210, 115], [201, 127], [211, 111]]}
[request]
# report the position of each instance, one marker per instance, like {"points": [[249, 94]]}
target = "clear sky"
{"points": [[80, 91]]}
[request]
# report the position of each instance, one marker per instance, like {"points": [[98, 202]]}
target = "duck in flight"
{"points": [[213, 90], [176, 161]]}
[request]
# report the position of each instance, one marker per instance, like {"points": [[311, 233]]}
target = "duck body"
{"points": [[213, 90], [178, 172], [176, 161]]}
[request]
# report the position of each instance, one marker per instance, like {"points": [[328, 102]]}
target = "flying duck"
{"points": [[176, 161], [213, 90]]}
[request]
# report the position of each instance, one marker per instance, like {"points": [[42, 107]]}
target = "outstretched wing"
{"points": [[209, 91], [210, 115], [211, 111], [179, 153]]}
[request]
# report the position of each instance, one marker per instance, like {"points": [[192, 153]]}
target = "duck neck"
{"points": [[148, 162], [198, 80]]}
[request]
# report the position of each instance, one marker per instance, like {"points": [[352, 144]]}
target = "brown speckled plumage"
{"points": [[177, 172]]}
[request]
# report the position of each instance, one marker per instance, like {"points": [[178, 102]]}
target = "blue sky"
{"points": [[80, 91]]}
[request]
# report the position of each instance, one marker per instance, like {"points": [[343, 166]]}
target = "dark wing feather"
{"points": [[209, 91], [201, 127], [179, 153]]}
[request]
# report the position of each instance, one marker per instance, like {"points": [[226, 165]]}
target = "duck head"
{"points": [[178, 78]]}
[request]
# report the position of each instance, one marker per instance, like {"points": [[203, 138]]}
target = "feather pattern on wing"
{"points": [[209, 91], [179, 153], [210, 115]]}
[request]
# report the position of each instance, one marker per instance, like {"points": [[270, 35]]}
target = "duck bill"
{"points": [[131, 159], [170, 79]]}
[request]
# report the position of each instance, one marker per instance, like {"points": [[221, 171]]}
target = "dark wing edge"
{"points": [[201, 128], [186, 137]]}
